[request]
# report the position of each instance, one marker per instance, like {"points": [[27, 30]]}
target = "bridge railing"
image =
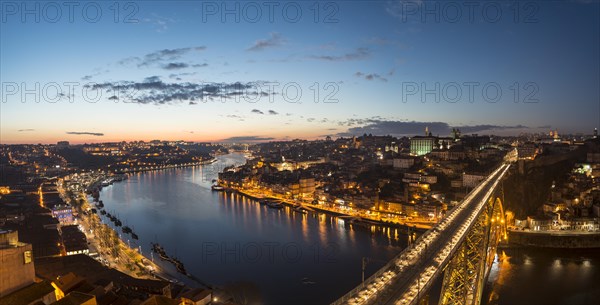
{"points": [[350, 294], [391, 265]]}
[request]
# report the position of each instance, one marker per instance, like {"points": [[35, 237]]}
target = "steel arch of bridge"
{"points": [[465, 274]]}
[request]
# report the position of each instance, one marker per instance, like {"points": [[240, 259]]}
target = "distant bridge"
{"points": [[461, 248]]}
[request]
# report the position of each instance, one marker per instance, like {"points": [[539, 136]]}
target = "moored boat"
{"points": [[274, 204], [217, 188]]}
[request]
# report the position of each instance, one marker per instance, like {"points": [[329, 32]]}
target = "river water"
{"points": [[544, 276], [279, 256], [283, 257]]}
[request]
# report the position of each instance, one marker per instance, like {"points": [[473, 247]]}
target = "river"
{"points": [[279, 256], [283, 257]]}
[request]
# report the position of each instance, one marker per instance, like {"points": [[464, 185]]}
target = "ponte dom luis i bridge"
{"points": [[461, 247]]}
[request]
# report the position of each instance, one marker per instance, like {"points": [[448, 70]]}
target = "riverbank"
{"points": [[236, 243], [107, 245], [129, 260], [404, 227], [559, 239]]}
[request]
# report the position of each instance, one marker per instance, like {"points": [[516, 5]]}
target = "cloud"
{"points": [[358, 54], [273, 112], [154, 91], [152, 79], [200, 65], [98, 72], [410, 128], [257, 111], [274, 41], [480, 128], [370, 76], [26, 130], [235, 116], [128, 61], [175, 66], [96, 134], [248, 139], [161, 24], [160, 56]]}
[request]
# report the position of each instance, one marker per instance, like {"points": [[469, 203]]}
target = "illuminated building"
{"points": [[420, 145], [16, 263]]}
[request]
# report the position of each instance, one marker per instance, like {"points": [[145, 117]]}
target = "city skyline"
{"points": [[209, 72]]}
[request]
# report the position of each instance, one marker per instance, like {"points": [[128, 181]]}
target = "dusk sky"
{"points": [[184, 70]]}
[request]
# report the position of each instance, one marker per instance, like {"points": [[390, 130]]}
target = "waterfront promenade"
{"points": [[354, 213], [110, 247]]}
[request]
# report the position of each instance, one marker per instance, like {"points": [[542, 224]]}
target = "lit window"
{"points": [[27, 257]]}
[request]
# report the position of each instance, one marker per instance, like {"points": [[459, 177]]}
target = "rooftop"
{"points": [[74, 298], [28, 294]]}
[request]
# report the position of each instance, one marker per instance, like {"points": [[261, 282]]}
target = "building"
{"points": [[307, 188], [63, 212], [197, 296], [77, 298], [472, 180], [159, 300], [74, 240], [62, 144], [16, 263], [421, 145], [539, 223], [403, 163], [527, 151], [34, 294]]}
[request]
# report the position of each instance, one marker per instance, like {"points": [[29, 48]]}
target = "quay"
{"points": [[404, 227]]}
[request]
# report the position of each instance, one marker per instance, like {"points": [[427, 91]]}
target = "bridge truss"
{"points": [[465, 274]]}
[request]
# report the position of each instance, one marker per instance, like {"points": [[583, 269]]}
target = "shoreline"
{"points": [[405, 228], [553, 240], [142, 264], [157, 272]]}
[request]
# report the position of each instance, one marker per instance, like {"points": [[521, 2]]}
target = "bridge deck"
{"points": [[403, 280]]}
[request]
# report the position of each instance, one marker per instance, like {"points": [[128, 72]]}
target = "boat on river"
{"points": [[217, 188], [274, 204]]}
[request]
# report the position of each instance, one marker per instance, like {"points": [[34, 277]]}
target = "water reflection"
{"points": [[544, 276], [223, 237]]}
